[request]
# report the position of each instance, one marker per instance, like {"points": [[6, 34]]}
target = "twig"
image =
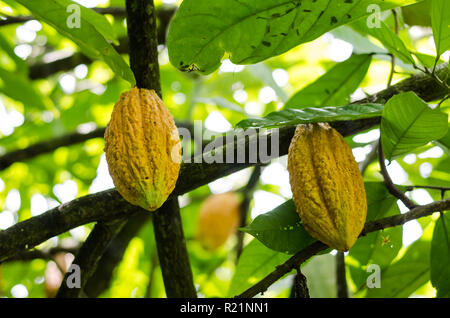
{"points": [[244, 208], [341, 280], [412, 187], [396, 28], [388, 181], [363, 165], [8, 20], [48, 254], [296, 260]]}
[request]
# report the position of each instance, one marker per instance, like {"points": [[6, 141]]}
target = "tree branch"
{"points": [[101, 278], [316, 247], [89, 256], [172, 253], [388, 181], [244, 208], [341, 280]]}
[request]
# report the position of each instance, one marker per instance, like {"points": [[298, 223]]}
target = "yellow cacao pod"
{"points": [[327, 187], [143, 148], [218, 219]]}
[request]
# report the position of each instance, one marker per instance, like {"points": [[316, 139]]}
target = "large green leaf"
{"points": [[255, 263], [253, 30], [388, 38], [440, 256], [408, 122], [440, 20], [19, 88], [264, 73], [405, 276], [444, 142], [280, 229], [292, 116], [90, 35], [335, 86]]}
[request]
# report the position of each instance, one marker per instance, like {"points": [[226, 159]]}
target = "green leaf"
{"points": [[8, 48], [444, 142], [255, 263], [388, 38], [408, 122], [335, 86], [379, 247], [418, 14], [264, 73], [440, 256], [280, 229], [89, 35], [292, 116], [252, 31], [19, 88], [221, 102], [320, 272], [405, 276], [440, 21]]}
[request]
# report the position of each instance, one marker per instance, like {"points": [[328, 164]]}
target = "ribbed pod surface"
{"points": [[327, 187], [143, 149]]}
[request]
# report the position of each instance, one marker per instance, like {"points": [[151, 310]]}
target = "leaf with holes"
{"points": [[408, 122], [251, 31]]}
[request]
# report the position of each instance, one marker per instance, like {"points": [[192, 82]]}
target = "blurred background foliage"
{"points": [[34, 109]]}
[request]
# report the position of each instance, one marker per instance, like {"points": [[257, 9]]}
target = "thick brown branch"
{"points": [[101, 278], [172, 252], [89, 255], [316, 247]]}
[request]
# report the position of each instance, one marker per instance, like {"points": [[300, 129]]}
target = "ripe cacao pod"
{"points": [[218, 219], [327, 187], [143, 148]]}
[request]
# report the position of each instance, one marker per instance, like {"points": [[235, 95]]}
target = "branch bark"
{"points": [[172, 252], [316, 247], [89, 256]]}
